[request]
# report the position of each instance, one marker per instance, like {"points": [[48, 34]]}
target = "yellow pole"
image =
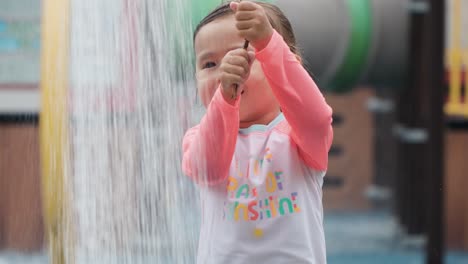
{"points": [[54, 124], [466, 82], [453, 106]]}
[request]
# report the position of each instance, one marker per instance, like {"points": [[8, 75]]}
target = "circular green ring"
{"points": [[356, 55]]}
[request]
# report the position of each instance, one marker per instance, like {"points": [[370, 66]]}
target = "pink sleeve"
{"points": [[209, 147], [301, 101]]}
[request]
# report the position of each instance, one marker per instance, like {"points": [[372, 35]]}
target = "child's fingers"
{"points": [[229, 79], [239, 61], [234, 6], [249, 33], [235, 69], [246, 6], [238, 52], [245, 15], [243, 25]]}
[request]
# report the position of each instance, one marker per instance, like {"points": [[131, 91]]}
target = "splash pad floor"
{"points": [[352, 238]]}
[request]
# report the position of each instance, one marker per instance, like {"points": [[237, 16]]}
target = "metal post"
{"points": [[434, 119], [411, 181]]}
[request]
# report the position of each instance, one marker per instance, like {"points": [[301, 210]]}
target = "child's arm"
{"points": [[208, 148], [301, 101]]}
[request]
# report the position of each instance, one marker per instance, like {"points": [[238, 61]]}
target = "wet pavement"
{"points": [[352, 238]]}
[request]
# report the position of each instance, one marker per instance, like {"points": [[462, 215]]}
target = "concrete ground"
{"points": [[352, 238], [374, 237]]}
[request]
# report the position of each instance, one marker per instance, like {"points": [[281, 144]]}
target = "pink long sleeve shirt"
{"points": [[261, 187]]}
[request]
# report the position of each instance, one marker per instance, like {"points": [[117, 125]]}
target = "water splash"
{"points": [[129, 93]]}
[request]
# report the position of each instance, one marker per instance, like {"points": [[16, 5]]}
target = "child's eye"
{"points": [[209, 64]]}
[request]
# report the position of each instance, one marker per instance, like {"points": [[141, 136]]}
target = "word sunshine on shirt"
{"points": [[245, 203]]}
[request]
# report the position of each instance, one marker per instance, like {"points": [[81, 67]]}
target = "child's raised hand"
{"points": [[234, 70], [252, 23]]}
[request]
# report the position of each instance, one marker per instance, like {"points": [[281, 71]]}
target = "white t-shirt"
{"points": [[269, 210], [260, 187]]}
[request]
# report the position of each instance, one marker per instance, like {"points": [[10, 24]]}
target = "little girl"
{"points": [[260, 153]]}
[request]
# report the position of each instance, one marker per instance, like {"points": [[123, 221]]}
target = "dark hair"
{"points": [[276, 17]]}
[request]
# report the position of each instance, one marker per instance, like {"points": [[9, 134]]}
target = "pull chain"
{"points": [[236, 86]]}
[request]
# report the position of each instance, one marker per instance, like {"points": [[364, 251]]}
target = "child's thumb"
{"points": [[251, 57], [233, 6]]}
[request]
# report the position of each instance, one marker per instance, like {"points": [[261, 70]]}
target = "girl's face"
{"points": [[258, 104]]}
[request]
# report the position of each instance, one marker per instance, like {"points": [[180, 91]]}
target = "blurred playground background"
{"points": [[396, 189]]}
